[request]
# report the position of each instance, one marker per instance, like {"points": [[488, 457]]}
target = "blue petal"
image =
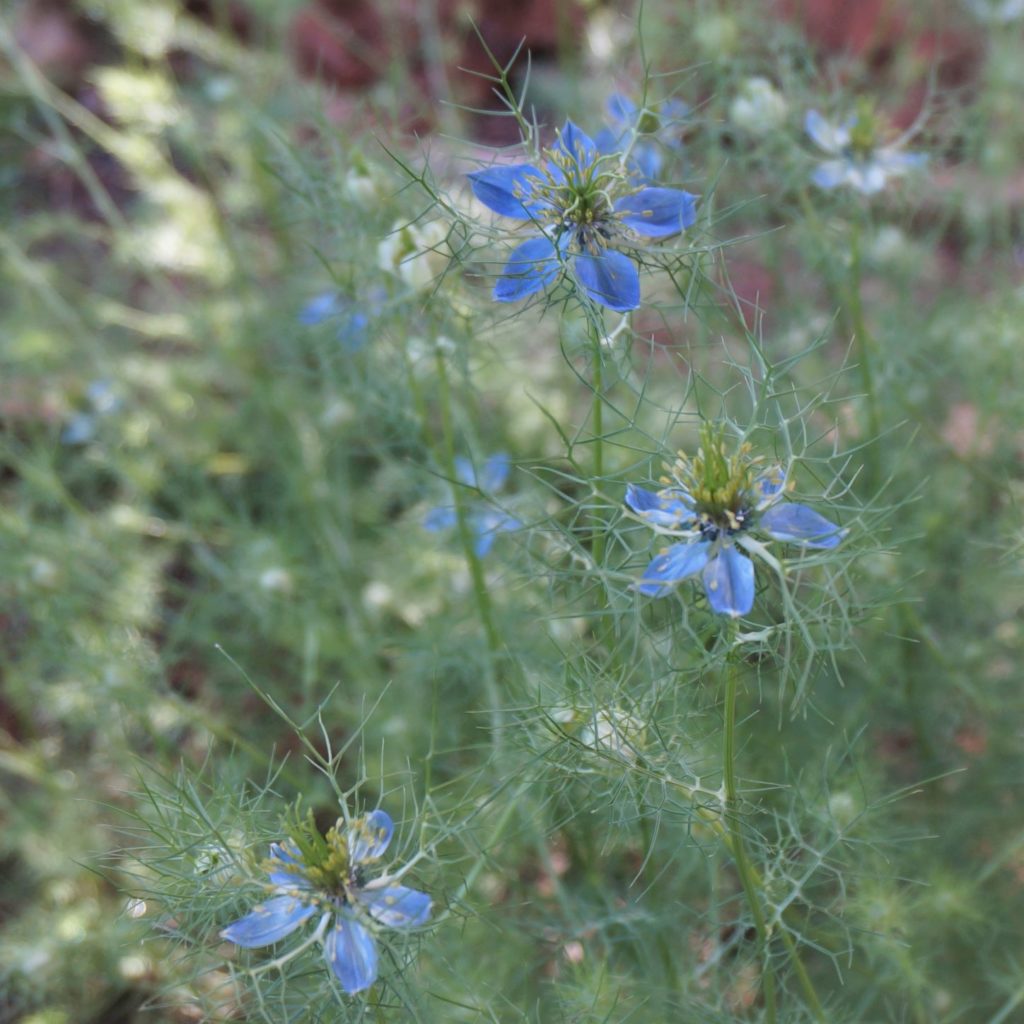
{"points": [[104, 398], [268, 922], [610, 279], [507, 189], [658, 212], [622, 109], [866, 177], [320, 308], [608, 142], [444, 517], [729, 582], [801, 525], [465, 471], [351, 953], [396, 906], [531, 268], [80, 429], [680, 561], [287, 875], [577, 145], [354, 333], [829, 137], [369, 837], [769, 485], [895, 162], [669, 508], [487, 525], [673, 110], [831, 173], [647, 159], [495, 473]]}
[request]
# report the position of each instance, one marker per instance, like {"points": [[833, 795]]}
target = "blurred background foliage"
{"points": [[213, 491]]}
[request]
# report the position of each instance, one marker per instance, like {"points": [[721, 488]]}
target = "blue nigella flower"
{"points": [[354, 324], [81, 426], [324, 877], [582, 203], [650, 132], [715, 502], [485, 520], [857, 157]]}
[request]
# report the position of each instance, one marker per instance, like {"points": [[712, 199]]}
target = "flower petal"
{"points": [[444, 517], [769, 485], [507, 189], [396, 906], [658, 212], [729, 582], [320, 308], [495, 473], [621, 109], [268, 922], [828, 136], [801, 525], [577, 145], [351, 953], [487, 525], [670, 507], [610, 279], [531, 267], [680, 561], [647, 160], [368, 837], [608, 142], [287, 875], [894, 161], [831, 173], [465, 471], [354, 332], [867, 178]]}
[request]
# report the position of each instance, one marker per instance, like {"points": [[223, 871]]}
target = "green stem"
{"points": [[476, 571], [738, 848], [865, 342], [597, 420]]}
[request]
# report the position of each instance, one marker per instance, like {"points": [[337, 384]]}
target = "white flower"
{"points": [[759, 108], [417, 253], [857, 158]]}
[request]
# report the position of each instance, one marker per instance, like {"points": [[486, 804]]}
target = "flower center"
{"points": [[721, 485], [865, 133], [576, 196], [320, 860]]}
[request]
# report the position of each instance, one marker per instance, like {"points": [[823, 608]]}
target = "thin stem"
{"points": [[737, 845], [476, 571], [597, 419], [865, 343]]}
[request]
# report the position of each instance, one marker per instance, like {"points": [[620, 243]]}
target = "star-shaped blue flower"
{"points": [[715, 531], [329, 881], [485, 520], [583, 203], [857, 159]]}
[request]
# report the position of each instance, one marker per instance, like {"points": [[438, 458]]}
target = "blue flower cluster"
{"points": [[582, 203], [325, 875]]}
